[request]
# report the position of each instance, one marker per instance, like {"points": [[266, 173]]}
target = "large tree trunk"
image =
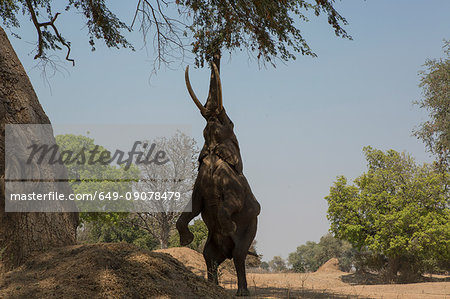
{"points": [[22, 234], [164, 238]]}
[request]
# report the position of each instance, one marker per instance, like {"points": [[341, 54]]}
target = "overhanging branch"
{"points": [[51, 23]]}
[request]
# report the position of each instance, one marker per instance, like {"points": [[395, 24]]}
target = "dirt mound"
{"points": [[113, 270], [332, 265], [195, 262]]}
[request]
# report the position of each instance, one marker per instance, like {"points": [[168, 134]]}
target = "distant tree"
{"points": [[265, 266], [277, 264], [89, 178], [397, 209], [305, 258], [435, 83], [177, 175], [331, 247], [310, 256]]}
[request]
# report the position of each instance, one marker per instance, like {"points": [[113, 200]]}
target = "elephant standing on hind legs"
{"points": [[221, 192]]}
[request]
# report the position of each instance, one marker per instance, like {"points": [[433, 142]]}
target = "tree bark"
{"points": [[164, 240], [23, 234]]}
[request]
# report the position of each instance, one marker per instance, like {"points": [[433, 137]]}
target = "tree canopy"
{"points": [[277, 264], [397, 209], [270, 28], [435, 83]]}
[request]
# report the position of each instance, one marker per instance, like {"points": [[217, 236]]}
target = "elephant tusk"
{"points": [[191, 92], [219, 87]]}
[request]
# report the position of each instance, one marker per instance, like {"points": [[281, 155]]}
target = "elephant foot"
{"points": [[242, 292], [186, 238]]}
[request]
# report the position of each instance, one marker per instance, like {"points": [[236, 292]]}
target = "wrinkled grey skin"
{"points": [[221, 192]]}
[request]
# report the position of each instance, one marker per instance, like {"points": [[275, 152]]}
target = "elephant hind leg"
{"points": [[239, 264], [243, 239], [213, 258]]}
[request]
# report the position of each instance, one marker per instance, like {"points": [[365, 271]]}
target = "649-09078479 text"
{"points": [[103, 196]]}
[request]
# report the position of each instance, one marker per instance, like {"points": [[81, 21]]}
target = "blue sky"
{"points": [[299, 125]]}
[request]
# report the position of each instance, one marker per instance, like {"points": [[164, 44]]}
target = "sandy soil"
{"points": [[332, 284], [327, 282], [195, 262], [105, 271], [124, 271]]}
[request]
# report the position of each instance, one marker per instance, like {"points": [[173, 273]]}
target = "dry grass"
{"points": [[105, 271]]}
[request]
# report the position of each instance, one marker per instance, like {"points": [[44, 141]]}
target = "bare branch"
{"points": [[45, 24], [167, 37]]}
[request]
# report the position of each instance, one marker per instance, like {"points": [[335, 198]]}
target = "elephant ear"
{"points": [[229, 152]]}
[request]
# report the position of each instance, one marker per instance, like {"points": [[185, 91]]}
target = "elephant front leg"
{"points": [[186, 237]]}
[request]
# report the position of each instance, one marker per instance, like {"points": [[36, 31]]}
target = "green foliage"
{"points": [[100, 21], [310, 256], [396, 209], [277, 264], [200, 231], [268, 27], [435, 82], [8, 11], [107, 177], [101, 231]]}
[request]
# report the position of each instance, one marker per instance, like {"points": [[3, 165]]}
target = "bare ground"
{"points": [[124, 271], [327, 282], [332, 286]]}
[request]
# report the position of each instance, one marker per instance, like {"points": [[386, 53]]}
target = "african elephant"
{"points": [[221, 192]]}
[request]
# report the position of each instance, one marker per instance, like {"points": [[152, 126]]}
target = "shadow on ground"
{"points": [[375, 279], [271, 292]]}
